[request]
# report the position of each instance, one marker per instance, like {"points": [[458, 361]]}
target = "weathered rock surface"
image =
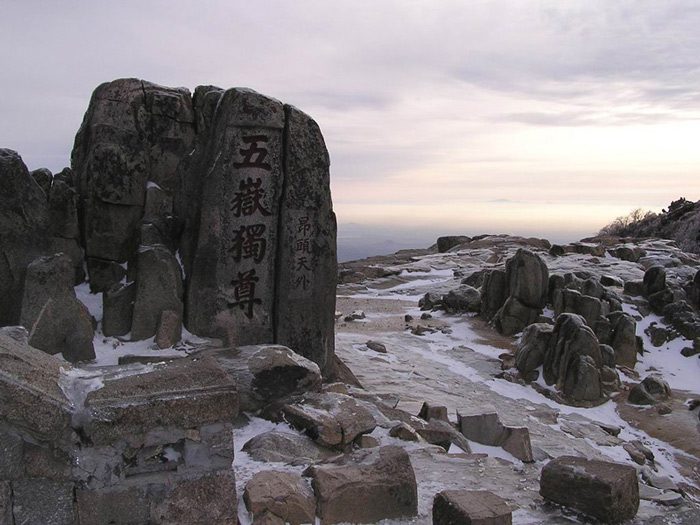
{"points": [[448, 242], [279, 372], [463, 299], [282, 494], [487, 429], [332, 420], [23, 231], [494, 293], [607, 491], [57, 321], [118, 309], [158, 289], [366, 486], [286, 447], [532, 348], [573, 361], [470, 507], [134, 132], [623, 338], [650, 391]]}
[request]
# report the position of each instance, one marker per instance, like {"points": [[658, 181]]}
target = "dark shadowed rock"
{"points": [[23, 231], [306, 259], [283, 494], [607, 491], [133, 132], [623, 338], [430, 301], [57, 321], [514, 316], [43, 178], [470, 507], [279, 372], [463, 299], [104, 274], [532, 348], [650, 391], [118, 309], [158, 288], [169, 329], [634, 288], [654, 280], [365, 487], [626, 253], [286, 447], [572, 301], [447, 242], [573, 360], [527, 278], [494, 292]]}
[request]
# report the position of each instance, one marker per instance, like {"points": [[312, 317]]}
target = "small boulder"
{"points": [[285, 447], [650, 391], [365, 487], [279, 372], [654, 280], [470, 507], [430, 301], [429, 412], [463, 299], [532, 348], [332, 420], [169, 329], [602, 489], [376, 346], [283, 494], [57, 321]]}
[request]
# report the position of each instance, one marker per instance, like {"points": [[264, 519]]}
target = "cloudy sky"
{"points": [[543, 118]]}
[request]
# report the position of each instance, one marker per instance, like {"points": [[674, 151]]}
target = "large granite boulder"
{"points": [[526, 285], [366, 486], [57, 321], [133, 133], [259, 243], [447, 242], [494, 292], [527, 278], [23, 231], [602, 489], [573, 361], [651, 390]]}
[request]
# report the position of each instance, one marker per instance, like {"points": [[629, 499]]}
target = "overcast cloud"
{"points": [[535, 117]]}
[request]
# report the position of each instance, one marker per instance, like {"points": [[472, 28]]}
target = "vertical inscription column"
{"points": [[233, 283], [307, 267]]}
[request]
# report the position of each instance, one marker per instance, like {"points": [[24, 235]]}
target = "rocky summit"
{"points": [[178, 344]]}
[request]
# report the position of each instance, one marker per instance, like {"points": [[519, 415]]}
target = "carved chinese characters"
{"points": [[263, 265]]}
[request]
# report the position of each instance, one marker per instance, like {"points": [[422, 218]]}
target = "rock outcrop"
{"points": [[574, 361], [515, 299], [23, 231], [246, 253]]}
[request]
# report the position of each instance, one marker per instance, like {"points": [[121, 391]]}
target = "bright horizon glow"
{"points": [[543, 118]]}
